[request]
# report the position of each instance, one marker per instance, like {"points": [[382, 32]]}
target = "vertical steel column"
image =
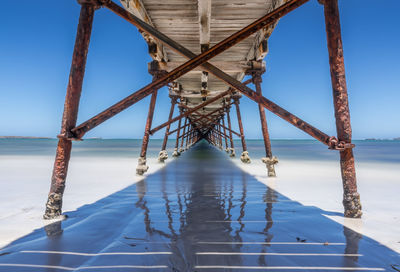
{"points": [[176, 151], [269, 160], [187, 137], [142, 167], [244, 157], [228, 117], [70, 115], [220, 134], [351, 198], [163, 155], [183, 135], [225, 137]]}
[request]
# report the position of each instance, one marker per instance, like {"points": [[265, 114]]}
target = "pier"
{"points": [[202, 50]]}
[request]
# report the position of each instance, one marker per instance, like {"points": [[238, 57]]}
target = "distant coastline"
{"points": [[23, 137], [375, 139]]}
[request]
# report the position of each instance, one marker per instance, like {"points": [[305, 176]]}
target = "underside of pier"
{"points": [[202, 50]]}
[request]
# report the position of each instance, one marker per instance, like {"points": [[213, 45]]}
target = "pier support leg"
{"points": [[244, 157], [142, 162], [74, 89], [269, 160], [351, 198], [225, 136], [219, 135], [228, 118], [163, 155], [183, 136], [176, 151]]}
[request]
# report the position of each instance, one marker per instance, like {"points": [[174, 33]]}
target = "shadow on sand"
{"points": [[200, 213]]}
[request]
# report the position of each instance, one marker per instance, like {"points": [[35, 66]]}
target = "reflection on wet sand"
{"points": [[198, 213]]}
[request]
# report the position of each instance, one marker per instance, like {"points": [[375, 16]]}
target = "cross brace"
{"points": [[194, 61]]}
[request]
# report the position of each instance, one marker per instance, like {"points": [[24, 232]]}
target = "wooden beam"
{"points": [[226, 66], [156, 49], [267, 20], [204, 10], [195, 61]]}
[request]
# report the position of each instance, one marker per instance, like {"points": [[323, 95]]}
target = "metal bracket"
{"points": [[335, 144], [69, 135]]}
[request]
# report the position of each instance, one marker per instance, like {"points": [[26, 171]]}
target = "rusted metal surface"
{"points": [[184, 133], [220, 47], [176, 153], [188, 112], [211, 121], [269, 160], [351, 198], [228, 118], [171, 112], [74, 89], [225, 137], [271, 106], [239, 117], [149, 121], [220, 135], [264, 126]]}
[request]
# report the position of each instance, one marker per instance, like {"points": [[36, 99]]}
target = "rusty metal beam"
{"points": [[184, 129], [239, 117], [228, 118], [279, 12], [268, 160], [194, 61], [351, 198], [225, 129], [149, 121], [171, 112], [175, 130], [70, 115], [185, 134], [215, 123], [188, 112], [177, 134], [142, 166]]}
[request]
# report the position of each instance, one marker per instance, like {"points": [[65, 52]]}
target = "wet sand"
{"points": [[199, 213]]}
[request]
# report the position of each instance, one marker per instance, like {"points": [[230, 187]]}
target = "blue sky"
{"points": [[37, 39]]}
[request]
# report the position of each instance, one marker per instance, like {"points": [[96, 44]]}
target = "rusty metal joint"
{"points": [[69, 135], [335, 144]]}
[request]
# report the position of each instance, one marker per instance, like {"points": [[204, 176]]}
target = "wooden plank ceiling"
{"points": [[198, 25]]}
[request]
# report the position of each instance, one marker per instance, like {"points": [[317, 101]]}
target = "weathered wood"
{"points": [[70, 115], [235, 38], [351, 198], [294, 120], [156, 49]]}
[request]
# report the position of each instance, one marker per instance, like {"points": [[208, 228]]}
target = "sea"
{"points": [[380, 151]]}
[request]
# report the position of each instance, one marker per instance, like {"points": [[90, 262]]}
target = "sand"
{"points": [[316, 183], [25, 183]]}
